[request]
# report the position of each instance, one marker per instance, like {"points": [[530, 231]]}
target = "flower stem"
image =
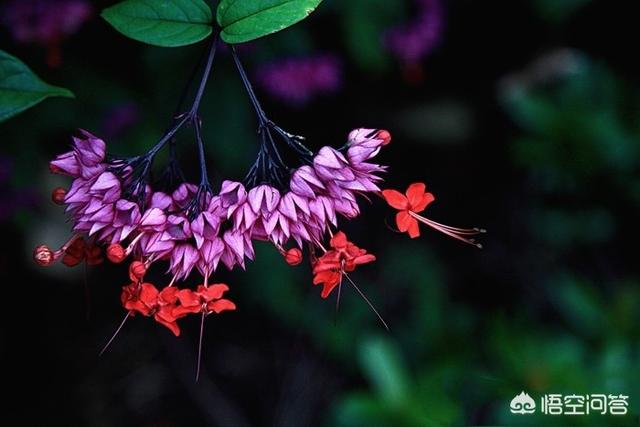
{"points": [[205, 76], [270, 165], [262, 117], [191, 115]]}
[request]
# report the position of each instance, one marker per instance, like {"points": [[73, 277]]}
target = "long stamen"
{"points": [[114, 334], [200, 346], [364, 297], [173, 280], [456, 233], [320, 245], [339, 292], [474, 230]]}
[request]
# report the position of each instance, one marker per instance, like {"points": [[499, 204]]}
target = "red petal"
{"points": [[173, 326], [422, 205], [326, 266], [221, 305], [395, 199], [415, 193], [138, 306], [168, 295], [403, 220], [364, 259], [414, 229], [212, 292], [181, 310], [188, 298], [148, 294], [339, 240], [128, 293], [326, 276], [329, 286], [166, 313]]}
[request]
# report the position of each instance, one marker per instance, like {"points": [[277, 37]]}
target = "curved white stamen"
{"points": [[456, 233]]}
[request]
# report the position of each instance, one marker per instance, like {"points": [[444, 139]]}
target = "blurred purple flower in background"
{"points": [[119, 119], [413, 41], [297, 81], [45, 22]]}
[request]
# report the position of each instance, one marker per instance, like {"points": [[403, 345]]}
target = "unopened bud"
{"points": [[116, 253], [43, 256], [293, 256], [385, 136], [58, 195], [137, 271]]}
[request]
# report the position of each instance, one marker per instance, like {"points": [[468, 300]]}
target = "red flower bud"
{"points": [[137, 271], [293, 256], [385, 136], [116, 253], [58, 195], [43, 256]]}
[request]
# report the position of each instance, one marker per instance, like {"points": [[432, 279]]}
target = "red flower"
{"points": [[146, 300], [415, 200], [344, 257], [75, 253], [206, 299], [79, 250], [141, 298]]}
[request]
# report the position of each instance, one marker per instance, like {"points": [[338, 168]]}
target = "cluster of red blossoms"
{"points": [[342, 258], [170, 304]]}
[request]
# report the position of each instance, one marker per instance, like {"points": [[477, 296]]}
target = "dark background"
{"points": [[524, 121]]}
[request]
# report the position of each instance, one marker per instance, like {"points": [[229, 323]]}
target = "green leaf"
{"points": [[382, 363], [166, 23], [246, 20], [20, 88]]}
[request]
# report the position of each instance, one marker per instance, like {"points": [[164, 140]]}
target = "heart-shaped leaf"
{"points": [[166, 23], [246, 20], [20, 88]]}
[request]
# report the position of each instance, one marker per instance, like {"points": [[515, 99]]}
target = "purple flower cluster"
{"points": [[414, 40], [160, 226], [298, 80], [44, 21]]}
